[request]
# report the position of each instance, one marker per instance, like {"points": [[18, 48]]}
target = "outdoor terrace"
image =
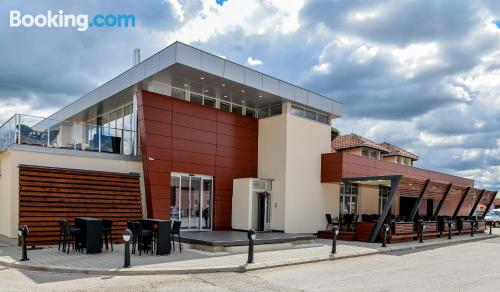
{"points": [[44, 132]]}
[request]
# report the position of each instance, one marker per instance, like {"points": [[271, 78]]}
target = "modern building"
{"points": [[187, 135]]}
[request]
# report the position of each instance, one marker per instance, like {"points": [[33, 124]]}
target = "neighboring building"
{"points": [[189, 136]]}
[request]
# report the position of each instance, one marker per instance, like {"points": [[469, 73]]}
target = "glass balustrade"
{"points": [[29, 130]]}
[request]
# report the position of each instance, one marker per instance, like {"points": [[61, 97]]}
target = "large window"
{"points": [[309, 114], [370, 153], [383, 196], [348, 198]]}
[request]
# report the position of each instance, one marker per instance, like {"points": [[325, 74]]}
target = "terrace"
{"points": [[50, 133]]}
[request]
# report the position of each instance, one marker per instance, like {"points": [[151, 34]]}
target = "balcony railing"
{"points": [[30, 130]]}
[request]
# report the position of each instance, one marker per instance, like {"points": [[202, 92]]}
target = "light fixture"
{"points": [[151, 158], [260, 96], [127, 234], [225, 96], [243, 101], [185, 85], [206, 90], [223, 85], [202, 78], [243, 91]]}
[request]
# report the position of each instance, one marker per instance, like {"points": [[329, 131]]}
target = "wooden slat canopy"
{"points": [[50, 194]]}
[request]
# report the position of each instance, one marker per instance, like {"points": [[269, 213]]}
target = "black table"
{"points": [[91, 233], [163, 234]]}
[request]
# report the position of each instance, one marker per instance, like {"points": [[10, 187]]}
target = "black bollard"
{"points": [[127, 235], [491, 224], [251, 237], [472, 228], [23, 233], [449, 229], [421, 231], [335, 232], [386, 229]]}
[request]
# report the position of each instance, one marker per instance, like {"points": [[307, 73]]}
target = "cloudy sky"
{"points": [[421, 74]]}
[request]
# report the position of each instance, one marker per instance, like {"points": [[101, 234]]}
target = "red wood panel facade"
{"points": [[50, 194], [336, 166], [178, 136]]}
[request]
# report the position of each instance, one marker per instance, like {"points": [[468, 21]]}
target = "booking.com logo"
{"points": [[81, 22]]}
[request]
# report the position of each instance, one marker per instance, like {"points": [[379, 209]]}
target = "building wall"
{"points": [[290, 151], [38, 156], [272, 164], [178, 136], [242, 204], [307, 199]]}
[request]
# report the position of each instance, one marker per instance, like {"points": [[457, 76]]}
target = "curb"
{"points": [[234, 268]]}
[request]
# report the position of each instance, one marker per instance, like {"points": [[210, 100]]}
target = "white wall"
{"points": [[272, 164], [9, 181], [242, 204], [290, 149]]}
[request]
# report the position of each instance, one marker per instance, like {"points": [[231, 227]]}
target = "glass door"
{"points": [[191, 201]]}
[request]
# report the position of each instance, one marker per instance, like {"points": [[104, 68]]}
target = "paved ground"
{"points": [[470, 266], [190, 260]]}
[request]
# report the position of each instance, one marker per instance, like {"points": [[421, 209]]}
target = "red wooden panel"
{"points": [[198, 144], [192, 109], [193, 134], [191, 157], [156, 114], [146, 98], [193, 122], [193, 146]]}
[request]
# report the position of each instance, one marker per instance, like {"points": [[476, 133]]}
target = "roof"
{"points": [[353, 141], [178, 58], [393, 150]]}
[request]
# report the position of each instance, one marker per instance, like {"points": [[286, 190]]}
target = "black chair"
{"points": [[71, 235], [176, 230], [61, 234], [130, 226], [106, 231], [353, 223], [145, 238]]}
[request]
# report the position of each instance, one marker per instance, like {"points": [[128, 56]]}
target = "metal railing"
{"points": [[30, 130]]}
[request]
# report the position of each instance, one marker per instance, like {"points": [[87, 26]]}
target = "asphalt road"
{"points": [[463, 267]]}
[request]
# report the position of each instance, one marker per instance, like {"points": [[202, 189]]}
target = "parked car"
{"points": [[493, 216]]}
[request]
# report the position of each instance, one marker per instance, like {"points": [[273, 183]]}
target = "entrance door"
{"points": [[264, 212], [191, 201], [406, 206]]}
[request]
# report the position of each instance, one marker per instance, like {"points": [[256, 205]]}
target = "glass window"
{"points": [[310, 115], [237, 109], [297, 111], [196, 98], [348, 198], [263, 113], [275, 110], [179, 94], [249, 112], [373, 154], [323, 119], [364, 152], [225, 106], [383, 194], [398, 160], [209, 102]]}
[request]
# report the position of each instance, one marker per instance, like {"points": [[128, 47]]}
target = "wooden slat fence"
{"points": [[50, 194]]}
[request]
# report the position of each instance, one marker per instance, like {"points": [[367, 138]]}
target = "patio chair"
{"points": [[145, 238], [71, 235], [106, 231], [176, 230], [61, 234], [352, 224], [130, 226]]}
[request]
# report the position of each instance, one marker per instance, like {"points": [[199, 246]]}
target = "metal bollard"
{"points": [[251, 237], [386, 229], [449, 229], [421, 230], [23, 231], [335, 232], [491, 224], [127, 235], [472, 228]]}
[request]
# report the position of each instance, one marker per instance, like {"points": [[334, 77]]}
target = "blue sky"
{"points": [[422, 74]]}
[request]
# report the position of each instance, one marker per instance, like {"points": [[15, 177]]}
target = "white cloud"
{"points": [[253, 62], [177, 8]]}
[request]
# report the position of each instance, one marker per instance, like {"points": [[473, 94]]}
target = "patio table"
{"points": [[91, 233], [163, 234]]}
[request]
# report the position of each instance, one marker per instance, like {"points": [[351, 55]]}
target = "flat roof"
{"points": [[183, 64]]}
